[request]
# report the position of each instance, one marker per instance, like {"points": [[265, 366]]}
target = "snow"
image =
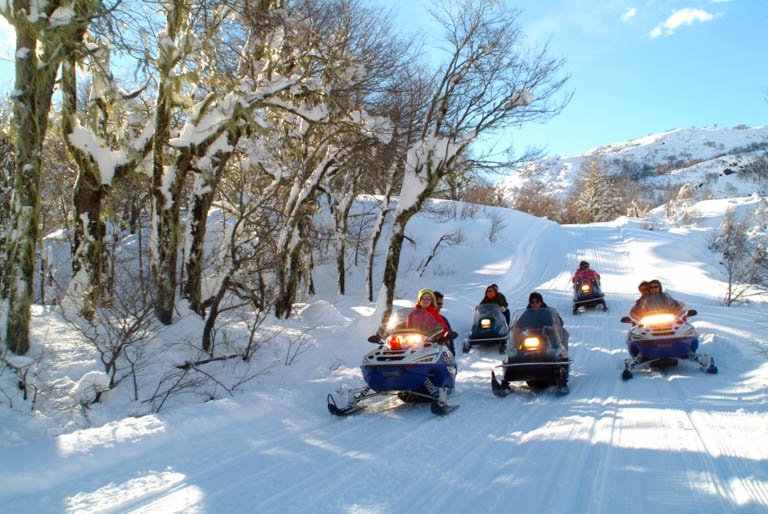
{"points": [[107, 160], [673, 441], [63, 15], [702, 154]]}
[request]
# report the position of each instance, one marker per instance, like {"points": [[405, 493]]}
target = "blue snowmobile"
{"points": [[660, 338], [416, 365]]}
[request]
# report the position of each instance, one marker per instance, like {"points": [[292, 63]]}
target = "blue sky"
{"points": [[637, 67], [641, 67]]}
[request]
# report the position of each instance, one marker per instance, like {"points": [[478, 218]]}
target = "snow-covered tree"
{"points": [[106, 148], [596, 199], [490, 81], [6, 185], [211, 124], [742, 247], [46, 34]]}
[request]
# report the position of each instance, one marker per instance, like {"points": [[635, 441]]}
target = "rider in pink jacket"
{"points": [[584, 272]]}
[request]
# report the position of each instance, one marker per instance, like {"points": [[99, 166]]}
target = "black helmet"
{"points": [[583, 264]]}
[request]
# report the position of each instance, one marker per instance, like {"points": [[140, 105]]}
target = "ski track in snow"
{"points": [[675, 441]]}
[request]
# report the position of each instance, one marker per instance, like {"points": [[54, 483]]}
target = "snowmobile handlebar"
{"points": [[690, 313]]}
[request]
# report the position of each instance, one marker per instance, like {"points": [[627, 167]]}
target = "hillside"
{"points": [[673, 441], [714, 160]]}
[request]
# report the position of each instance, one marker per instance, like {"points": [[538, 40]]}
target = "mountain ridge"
{"points": [[718, 161]]}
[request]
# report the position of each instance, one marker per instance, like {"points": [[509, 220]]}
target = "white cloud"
{"points": [[628, 14], [687, 16]]}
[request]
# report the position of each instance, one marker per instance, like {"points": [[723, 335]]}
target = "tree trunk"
{"points": [[167, 212], [31, 104], [342, 225], [393, 254], [376, 234], [193, 290], [202, 198], [210, 322], [289, 275], [89, 266]]}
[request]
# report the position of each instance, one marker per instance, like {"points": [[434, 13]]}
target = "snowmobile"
{"points": [[659, 339], [587, 294], [488, 327], [537, 352], [415, 365]]}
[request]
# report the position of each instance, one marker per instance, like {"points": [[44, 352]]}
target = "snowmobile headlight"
{"points": [[405, 341], [584, 288], [485, 323], [531, 343], [658, 319]]}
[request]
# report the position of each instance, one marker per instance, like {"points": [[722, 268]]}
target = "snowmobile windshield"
{"points": [[660, 303], [396, 321], [543, 321], [536, 318], [488, 310], [586, 280]]}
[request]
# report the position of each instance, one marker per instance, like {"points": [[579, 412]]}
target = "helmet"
{"points": [[583, 264]]}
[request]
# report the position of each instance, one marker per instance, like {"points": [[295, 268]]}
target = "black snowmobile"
{"points": [[587, 294], [537, 352], [488, 327]]}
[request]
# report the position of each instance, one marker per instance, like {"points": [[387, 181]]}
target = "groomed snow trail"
{"points": [[677, 441]]}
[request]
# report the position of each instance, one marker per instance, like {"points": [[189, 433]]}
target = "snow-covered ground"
{"points": [[673, 441]]}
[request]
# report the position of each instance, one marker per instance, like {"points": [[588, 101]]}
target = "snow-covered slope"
{"points": [[711, 158], [677, 441]]}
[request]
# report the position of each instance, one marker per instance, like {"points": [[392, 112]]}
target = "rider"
{"points": [[655, 301], [584, 273], [439, 297], [667, 301], [536, 301], [645, 289], [424, 316], [492, 295]]}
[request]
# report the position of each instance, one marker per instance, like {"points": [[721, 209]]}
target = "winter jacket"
{"points": [[425, 319], [582, 274], [499, 300], [655, 303]]}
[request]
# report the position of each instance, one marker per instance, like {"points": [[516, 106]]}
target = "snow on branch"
{"points": [[107, 160]]}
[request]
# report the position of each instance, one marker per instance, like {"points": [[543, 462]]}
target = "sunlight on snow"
{"points": [[366, 509], [496, 268], [119, 496], [283, 452], [657, 429], [187, 500], [128, 430], [363, 310], [748, 490], [335, 449]]}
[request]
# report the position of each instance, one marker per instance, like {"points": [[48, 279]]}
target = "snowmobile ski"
{"points": [[498, 389], [342, 411], [441, 408]]}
